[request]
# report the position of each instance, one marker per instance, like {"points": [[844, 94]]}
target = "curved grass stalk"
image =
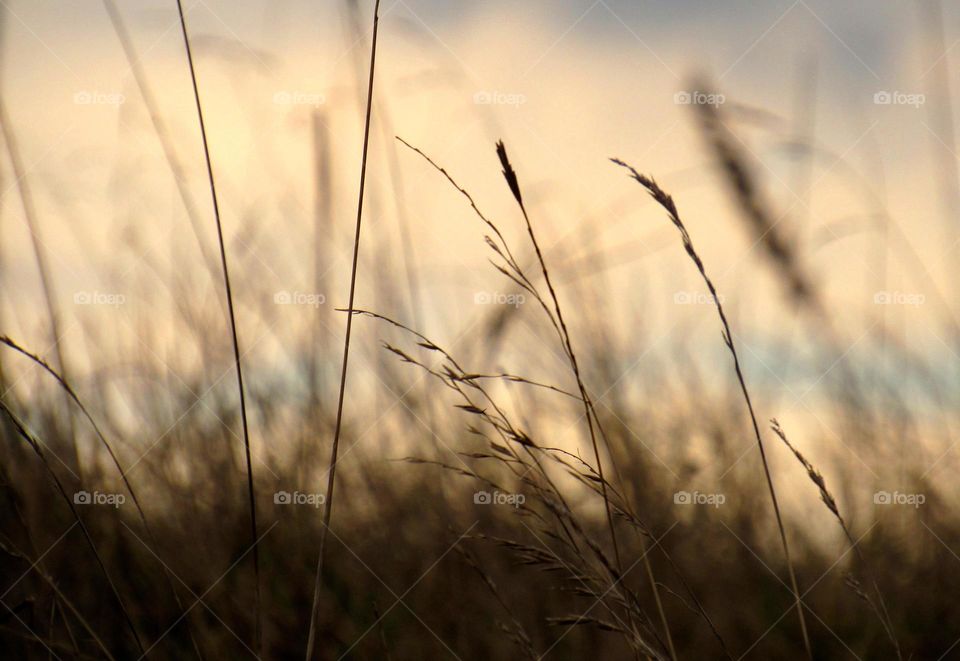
{"points": [[665, 201], [71, 393], [36, 446]]}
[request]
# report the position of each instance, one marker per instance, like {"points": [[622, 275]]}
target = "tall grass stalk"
{"points": [[160, 128], [665, 201], [332, 471], [233, 327], [37, 447], [589, 411], [71, 393], [40, 257], [511, 177], [395, 177], [517, 274], [880, 608]]}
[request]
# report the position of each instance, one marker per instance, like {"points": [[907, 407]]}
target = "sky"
{"points": [[566, 84]]}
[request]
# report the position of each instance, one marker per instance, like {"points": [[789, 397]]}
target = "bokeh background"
{"points": [[841, 115]]}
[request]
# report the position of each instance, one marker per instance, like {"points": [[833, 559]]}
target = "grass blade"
{"points": [[665, 201], [332, 472], [233, 328]]}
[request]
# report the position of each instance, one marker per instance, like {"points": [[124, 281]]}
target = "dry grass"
{"points": [[335, 446], [235, 340], [502, 507], [665, 201], [554, 536]]}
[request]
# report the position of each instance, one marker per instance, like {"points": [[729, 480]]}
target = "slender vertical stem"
{"points": [[514, 184], [233, 330], [666, 201], [163, 134], [40, 256], [589, 410], [322, 227], [331, 473], [399, 192]]}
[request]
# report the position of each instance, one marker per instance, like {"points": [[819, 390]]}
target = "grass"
{"points": [[335, 446], [254, 536], [665, 201], [37, 446], [501, 507], [879, 605]]}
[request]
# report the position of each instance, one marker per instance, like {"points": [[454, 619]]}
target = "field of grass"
{"points": [[236, 470]]}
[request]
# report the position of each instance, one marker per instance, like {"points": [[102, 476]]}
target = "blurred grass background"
{"points": [[827, 156]]}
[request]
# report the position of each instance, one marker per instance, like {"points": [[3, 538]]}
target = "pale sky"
{"points": [[565, 84]]}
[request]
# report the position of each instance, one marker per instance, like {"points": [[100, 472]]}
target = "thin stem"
{"points": [[665, 201], [37, 447], [589, 411], [71, 393], [512, 181], [40, 258], [233, 329], [160, 128], [831, 504], [331, 473]]}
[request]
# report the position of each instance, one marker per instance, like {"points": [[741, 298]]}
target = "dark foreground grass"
{"points": [[486, 535]]}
